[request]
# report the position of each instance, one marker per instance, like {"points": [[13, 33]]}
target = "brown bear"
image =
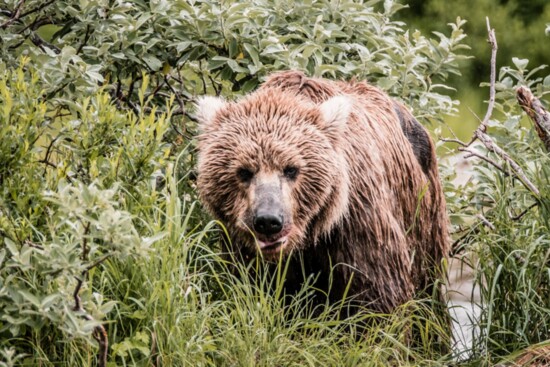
{"points": [[334, 178]]}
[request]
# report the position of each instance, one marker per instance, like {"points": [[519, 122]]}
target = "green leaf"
{"points": [[253, 53], [12, 247], [2, 256], [234, 65], [217, 62], [30, 297], [48, 301], [233, 48], [152, 62], [249, 85], [521, 64]]}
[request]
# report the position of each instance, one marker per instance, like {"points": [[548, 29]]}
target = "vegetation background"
{"points": [[521, 27], [106, 257]]}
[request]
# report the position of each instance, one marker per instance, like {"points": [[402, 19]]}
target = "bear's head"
{"points": [[272, 169]]}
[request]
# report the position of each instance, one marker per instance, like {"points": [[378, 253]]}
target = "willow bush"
{"points": [[195, 47]]}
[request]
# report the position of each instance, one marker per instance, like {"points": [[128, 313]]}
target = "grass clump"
{"points": [[189, 306]]}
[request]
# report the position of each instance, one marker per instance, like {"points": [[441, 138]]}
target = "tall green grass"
{"points": [[514, 269], [188, 306]]}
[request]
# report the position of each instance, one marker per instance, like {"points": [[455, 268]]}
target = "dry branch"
{"points": [[14, 16], [518, 171], [481, 132], [538, 114], [482, 128]]}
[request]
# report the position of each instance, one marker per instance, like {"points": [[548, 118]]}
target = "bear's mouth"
{"points": [[272, 247]]}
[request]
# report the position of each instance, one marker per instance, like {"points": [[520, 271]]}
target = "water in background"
{"points": [[463, 303], [463, 298]]}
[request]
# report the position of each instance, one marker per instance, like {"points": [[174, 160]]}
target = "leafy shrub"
{"points": [[519, 24], [227, 47], [73, 178]]}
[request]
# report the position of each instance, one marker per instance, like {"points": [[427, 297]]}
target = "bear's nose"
{"points": [[268, 224]]}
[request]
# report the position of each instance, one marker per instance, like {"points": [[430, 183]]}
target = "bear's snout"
{"points": [[268, 219], [268, 224]]}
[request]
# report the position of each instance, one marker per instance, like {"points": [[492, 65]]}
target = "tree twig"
{"points": [[181, 102], [38, 8], [98, 262], [40, 43], [520, 215], [493, 147], [485, 221], [77, 303], [482, 128], [494, 48], [85, 41], [99, 333], [473, 153], [457, 141], [14, 16]]}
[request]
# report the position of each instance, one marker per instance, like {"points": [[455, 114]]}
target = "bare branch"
{"points": [[85, 41], [33, 245], [520, 215], [38, 8], [456, 248], [77, 304], [485, 221], [482, 128], [494, 48], [457, 141], [473, 153], [100, 334], [156, 90], [40, 43], [181, 102], [98, 262], [14, 16], [85, 249], [493, 147], [480, 132]]}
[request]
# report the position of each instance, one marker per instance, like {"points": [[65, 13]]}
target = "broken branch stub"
{"points": [[538, 114]]}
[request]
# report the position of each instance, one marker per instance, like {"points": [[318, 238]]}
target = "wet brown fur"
{"points": [[367, 203]]}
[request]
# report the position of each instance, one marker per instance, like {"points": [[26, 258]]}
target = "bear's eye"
{"points": [[290, 172], [245, 175]]}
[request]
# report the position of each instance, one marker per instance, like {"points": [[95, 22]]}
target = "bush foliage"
{"points": [[190, 47], [99, 223]]}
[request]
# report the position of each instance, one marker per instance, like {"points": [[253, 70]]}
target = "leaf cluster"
{"points": [[73, 177], [192, 47]]}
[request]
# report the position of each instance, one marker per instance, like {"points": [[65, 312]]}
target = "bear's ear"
{"points": [[207, 108], [335, 112]]}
